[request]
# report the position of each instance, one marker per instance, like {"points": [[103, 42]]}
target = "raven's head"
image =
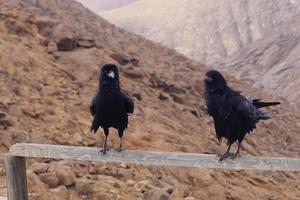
{"points": [[214, 80], [109, 76]]}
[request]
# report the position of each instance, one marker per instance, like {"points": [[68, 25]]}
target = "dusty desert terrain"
{"points": [[45, 94]]}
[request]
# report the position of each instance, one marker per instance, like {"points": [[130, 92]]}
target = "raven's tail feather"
{"points": [[95, 124], [261, 104], [263, 116]]}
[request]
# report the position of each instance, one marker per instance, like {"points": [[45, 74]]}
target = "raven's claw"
{"points": [[225, 156]]}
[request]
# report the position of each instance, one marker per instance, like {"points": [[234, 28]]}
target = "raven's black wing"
{"points": [[93, 106], [246, 108], [129, 105], [219, 128]]}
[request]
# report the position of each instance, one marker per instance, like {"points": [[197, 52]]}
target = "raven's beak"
{"points": [[111, 74], [207, 79]]}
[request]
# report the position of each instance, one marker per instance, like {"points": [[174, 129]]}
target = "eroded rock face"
{"points": [[205, 31], [271, 64]]}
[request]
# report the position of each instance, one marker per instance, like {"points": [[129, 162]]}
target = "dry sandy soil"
{"points": [[45, 94]]}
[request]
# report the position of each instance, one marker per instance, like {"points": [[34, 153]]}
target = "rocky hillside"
{"points": [[204, 30], [272, 63], [104, 5], [49, 57]]}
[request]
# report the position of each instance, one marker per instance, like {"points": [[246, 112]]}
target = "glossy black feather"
{"points": [[234, 115], [110, 107]]}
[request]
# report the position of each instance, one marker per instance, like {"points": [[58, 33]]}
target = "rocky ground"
{"points": [[49, 57]]}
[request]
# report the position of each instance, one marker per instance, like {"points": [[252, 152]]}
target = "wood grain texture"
{"points": [[155, 158], [16, 177]]}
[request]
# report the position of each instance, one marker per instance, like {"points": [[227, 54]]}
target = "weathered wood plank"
{"points": [[16, 178], [154, 158]]}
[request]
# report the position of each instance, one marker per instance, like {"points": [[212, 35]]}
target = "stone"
{"points": [[190, 198], [50, 179], [84, 187], [66, 176], [162, 97], [2, 115], [130, 183], [177, 98], [36, 188], [134, 61], [170, 190], [52, 47], [138, 96], [164, 196], [133, 74], [61, 192], [120, 58], [66, 44], [39, 168], [86, 43]]}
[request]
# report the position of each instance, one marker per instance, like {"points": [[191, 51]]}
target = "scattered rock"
{"points": [[39, 168], [190, 198], [36, 188], [61, 192], [79, 84], [52, 47], [134, 61], [143, 186], [177, 98], [164, 196], [2, 115], [124, 165], [6, 122], [83, 187], [161, 83], [66, 176], [133, 74], [66, 44], [86, 43], [16, 27], [120, 58], [195, 113], [138, 96], [49, 178], [170, 190], [130, 183], [162, 97], [15, 89]]}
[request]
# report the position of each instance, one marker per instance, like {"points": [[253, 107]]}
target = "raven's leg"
{"points": [[105, 147], [237, 154], [120, 148], [227, 154]]}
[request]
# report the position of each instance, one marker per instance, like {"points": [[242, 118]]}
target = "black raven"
{"points": [[110, 107], [234, 115]]}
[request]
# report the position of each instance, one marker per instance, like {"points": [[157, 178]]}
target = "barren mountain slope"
{"points": [[103, 5], [45, 94], [204, 30], [272, 63]]}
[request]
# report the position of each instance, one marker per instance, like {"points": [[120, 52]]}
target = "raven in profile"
{"points": [[110, 107], [234, 115]]}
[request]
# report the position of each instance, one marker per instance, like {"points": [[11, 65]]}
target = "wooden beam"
{"points": [[16, 177], [154, 158]]}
